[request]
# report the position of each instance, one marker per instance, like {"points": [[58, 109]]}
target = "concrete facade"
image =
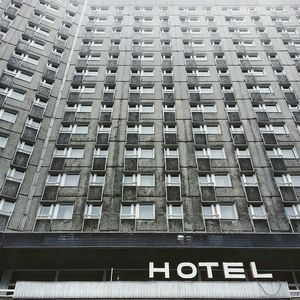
{"points": [[52, 100], [161, 131]]}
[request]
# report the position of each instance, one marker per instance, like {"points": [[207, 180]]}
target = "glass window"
{"points": [[16, 95], [97, 179], [3, 141], [76, 153], [127, 212], [213, 129], [71, 180], [7, 116], [146, 211], [292, 212], [6, 207], [272, 108], [174, 211], [45, 211], [147, 180], [222, 181], [257, 212], [204, 180], [81, 129], [64, 211], [279, 129], [289, 153], [295, 180], [227, 212], [147, 108], [92, 211], [217, 154], [265, 89], [209, 212], [147, 129], [147, 153]]}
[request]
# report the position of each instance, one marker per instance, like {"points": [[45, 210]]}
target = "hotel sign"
{"points": [[188, 270]]}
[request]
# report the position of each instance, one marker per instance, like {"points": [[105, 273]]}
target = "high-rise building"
{"points": [[150, 149]]}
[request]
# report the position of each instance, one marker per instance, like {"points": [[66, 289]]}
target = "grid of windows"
{"points": [[193, 113]]}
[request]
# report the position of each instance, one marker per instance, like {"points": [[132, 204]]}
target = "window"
{"points": [[96, 179], [293, 211], [279, 129], [206, 108], [146, 57], [92, 211], [147, 89], [56, 211], [213, 153], [272, 108], [220, 211], [249, 56], [203, 72], [172, 180], [276, 129], [249, 180], [146, 129], [145, 180], [199, 57], [34, 43], [198, 43], [147, 108], [15, 175], [6, 207], [68, 180], [79, 108], [257, 212], [174, 211], [171, 152], [265, 89], [257, 71], [288, 179], [140, 152], [27, 58], [8, 116], [242, 152], [208, 129], [69, 152], [203, 89], [212, 129], [147, 72], [138, 211], [215, 180], [14, 94], [3, 141], [80, 129], [25, 148], [287, 153]]}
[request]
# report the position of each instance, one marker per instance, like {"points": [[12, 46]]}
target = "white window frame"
{"points": [[89, 209], [252, 213], [217, 211], [171, 214], [211, 180], [7, 116]]}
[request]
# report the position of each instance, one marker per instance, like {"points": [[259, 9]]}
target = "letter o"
{"points": [[192, 274]]}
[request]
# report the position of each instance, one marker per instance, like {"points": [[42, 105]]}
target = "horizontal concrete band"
{"points": [[151, 289]]}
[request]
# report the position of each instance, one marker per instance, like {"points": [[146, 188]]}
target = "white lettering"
{"points": [[255, 274], [165, 269], [187, 265], [234, 270], [208, 266]]}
